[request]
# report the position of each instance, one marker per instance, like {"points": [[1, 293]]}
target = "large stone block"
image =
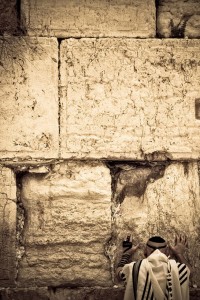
{"points": [[178, 18], [68, 223], [29, 97], [7, 227], [168, 203], [128, 99], [90, 18]]}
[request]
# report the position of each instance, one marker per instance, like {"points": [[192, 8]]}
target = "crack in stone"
{"points": [[59, 95], [20, 223]]}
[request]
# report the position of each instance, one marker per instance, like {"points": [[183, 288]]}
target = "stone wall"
{"points": [[99, 128]]}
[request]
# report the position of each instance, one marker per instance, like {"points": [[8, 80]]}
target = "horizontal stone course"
{"points": [[125, 98], [90, 18], [95, 293]]}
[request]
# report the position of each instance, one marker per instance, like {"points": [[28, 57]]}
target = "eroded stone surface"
{"points": [[125, 98], [90, 18], [178, 18], [7, 227], [68, 222], [170, 205], [8, 17], [95, 293], [29, 97]]}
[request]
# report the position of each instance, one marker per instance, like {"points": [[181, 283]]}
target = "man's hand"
{"points": [[125, 259], [178, 250], [132, 250], [181, 244]]}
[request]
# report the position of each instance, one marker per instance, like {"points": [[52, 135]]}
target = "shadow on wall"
{"points": [[12, 21]]}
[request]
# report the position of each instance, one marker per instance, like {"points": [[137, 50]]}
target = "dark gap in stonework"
{"points": [[132, 178], [18, 9], [157, 3], [19, 177], [59, 60], [21, 29], [59, 92], [21, 212]]}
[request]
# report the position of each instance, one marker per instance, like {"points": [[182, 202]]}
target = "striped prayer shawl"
{"points": [[176, 281], [183, 274], [147, 291]]}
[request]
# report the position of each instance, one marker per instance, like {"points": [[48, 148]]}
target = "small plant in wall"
{"points": [[178, 31]]}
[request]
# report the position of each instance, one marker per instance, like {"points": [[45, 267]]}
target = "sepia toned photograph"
{"points": [[99, 149]]}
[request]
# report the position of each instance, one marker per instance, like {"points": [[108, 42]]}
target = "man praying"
{"points": [[158, 276]]}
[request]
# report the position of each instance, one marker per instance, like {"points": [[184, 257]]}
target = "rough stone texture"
{"points": [[90, 18], [178, 18], [95, 293], [117, 98], [130, 99], [37, 293], [7, 227], [195, 294], [8, 17], [67, 224], [170, 204], [29, 97]]}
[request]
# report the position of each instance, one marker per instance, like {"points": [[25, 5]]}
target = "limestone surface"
{"points": [[29, 97], [169, 205], [129, 99], [95, 293], [67, 224], [178, 18], [88, 18], [7, 227]]}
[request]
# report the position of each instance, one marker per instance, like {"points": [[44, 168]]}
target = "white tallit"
{"points": [[159, 278]]}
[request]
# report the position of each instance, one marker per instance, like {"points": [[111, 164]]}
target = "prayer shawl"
{"points": [[157, 278]]}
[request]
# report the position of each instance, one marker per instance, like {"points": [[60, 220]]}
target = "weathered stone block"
{"points": [[68, 222], [169, 204], [8, 17], [29, 97], [130, 99], [90, 18], [7, 227], [178, 18]]}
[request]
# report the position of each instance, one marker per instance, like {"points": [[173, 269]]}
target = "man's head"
{"points": [[155, 242]]}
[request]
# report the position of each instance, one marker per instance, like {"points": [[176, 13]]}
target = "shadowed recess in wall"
{"points": [[12, 20], [4, 246], [7, 253], [131, 179]]}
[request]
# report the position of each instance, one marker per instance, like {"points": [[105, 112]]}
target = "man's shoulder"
{"points": [[176, 262], [182, 268]]}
